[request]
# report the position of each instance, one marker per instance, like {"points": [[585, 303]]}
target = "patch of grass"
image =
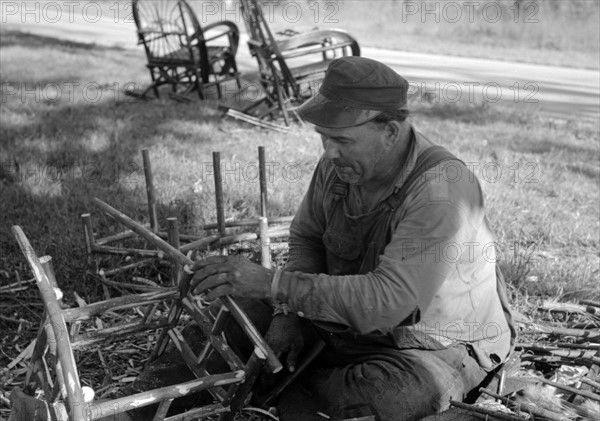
{"points": [[59, 154]]}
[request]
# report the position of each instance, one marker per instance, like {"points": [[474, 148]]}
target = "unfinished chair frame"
{"points": [[59, 381], [268, 228], [178, 50], [291, 66], [59, 341]]}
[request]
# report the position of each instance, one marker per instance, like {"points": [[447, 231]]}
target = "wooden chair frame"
{"points": [[178, 50], [56, 342], [291, 65]]}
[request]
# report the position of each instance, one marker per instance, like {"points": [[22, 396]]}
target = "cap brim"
{"points": [[320, 111]]}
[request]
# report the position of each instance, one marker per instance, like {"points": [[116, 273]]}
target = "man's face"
{"points": [[356, 151]]}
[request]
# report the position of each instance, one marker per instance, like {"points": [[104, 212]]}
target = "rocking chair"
{"points": [[292, 65], [180, 52]]}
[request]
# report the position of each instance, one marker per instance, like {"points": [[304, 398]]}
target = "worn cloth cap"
{"points": [[355, 90]]}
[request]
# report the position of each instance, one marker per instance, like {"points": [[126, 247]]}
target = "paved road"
{"points": [[552, 90]]}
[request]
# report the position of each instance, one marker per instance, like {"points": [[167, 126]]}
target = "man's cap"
{"points": [[355, 90]]}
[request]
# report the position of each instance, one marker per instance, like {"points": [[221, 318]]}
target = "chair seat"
{"points": [[305, 70], [182, 57]]}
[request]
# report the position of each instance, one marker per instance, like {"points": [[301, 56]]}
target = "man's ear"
{"points": [[393, 131]]}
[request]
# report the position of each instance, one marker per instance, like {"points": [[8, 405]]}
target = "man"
{"points": [[391, 261]]}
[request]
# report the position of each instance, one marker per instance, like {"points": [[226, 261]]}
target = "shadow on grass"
{"points": [[58, 155], [12, 38]]}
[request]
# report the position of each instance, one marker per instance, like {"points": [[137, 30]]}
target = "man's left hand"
{"points": [[231, 276]]}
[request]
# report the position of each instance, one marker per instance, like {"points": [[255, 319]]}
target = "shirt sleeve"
{"points": [[410, 271]]}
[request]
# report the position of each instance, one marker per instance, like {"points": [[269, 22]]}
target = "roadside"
{"points": [[514, 31]]}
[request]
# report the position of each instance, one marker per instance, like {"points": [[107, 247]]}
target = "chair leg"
{"points": [[239, 392], [282, 105], [154, 84]]}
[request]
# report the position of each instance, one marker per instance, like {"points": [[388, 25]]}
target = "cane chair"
{"points": [[291, 64], [180, 52], [53, 370]]}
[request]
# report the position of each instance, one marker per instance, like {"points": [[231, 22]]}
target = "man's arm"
{"points": [[410, 271]]}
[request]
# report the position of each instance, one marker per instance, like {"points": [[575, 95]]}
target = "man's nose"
{"points": [[331, 149]]}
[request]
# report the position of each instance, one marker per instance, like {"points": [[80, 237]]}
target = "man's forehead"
{"points": [[342, 132], [331, 132]]}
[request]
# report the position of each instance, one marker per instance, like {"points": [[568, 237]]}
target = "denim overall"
{"points": [[353, 246]]}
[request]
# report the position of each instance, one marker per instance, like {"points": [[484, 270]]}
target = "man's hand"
{"points": [[285, 335], [231, 276]]}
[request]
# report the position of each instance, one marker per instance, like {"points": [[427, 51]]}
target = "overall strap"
{"points": [[380, 235], [429, 158]]}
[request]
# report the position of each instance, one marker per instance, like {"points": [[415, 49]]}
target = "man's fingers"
{"points": [[211, 260], [219, 292], [207, 279]]}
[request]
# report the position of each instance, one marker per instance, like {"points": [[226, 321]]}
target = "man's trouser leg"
{"points": [[410, 385]]}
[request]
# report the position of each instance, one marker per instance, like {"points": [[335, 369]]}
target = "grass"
{"points": [[58, 155]]}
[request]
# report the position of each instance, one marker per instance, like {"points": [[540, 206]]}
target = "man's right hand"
{"points": [[285, 336]]}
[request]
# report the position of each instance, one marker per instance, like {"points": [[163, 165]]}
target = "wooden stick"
{"points": [[265, 243], [119, 303], [568, 308], [203, 242], [485, 411], [173, 238], [187, 237], [556, 345], [591, 382], [65, 354], [236, 398], [199, 413], [590, 334], [116, 237], [216, 341], [216, 330], [144, 232], [584, 393], [251, 331], [150, 193], [139, 400], [122, 251], [219, 192], [129, 285], [590, 303], [528, 407], [178, 256], [249, 222], [90, 338], [162, 410], [88, 232], [254, 120], [189, 358], [134, 265], [231, 239], [567, 353], [262, 169]]}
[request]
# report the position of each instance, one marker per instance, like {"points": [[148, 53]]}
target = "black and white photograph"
{"points": [[299, 210]]}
